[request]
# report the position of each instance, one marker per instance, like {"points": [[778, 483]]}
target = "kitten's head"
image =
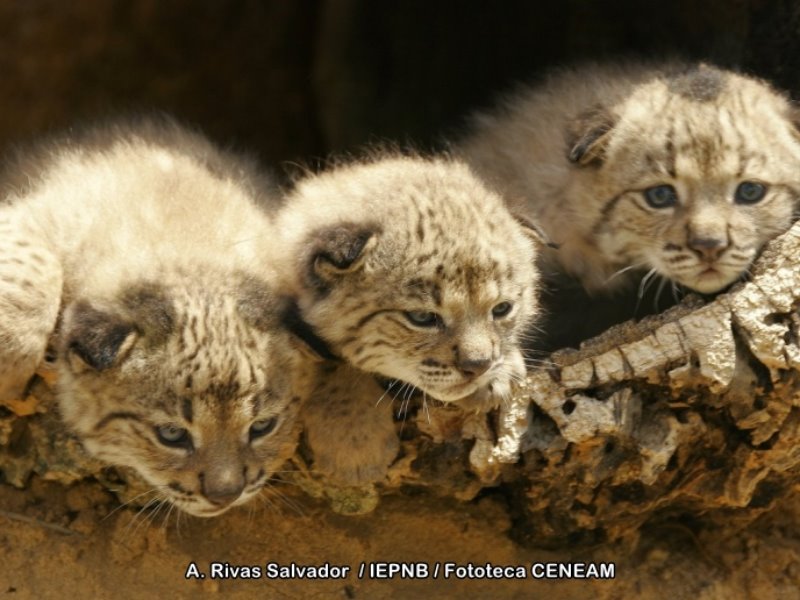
{"points": [[190, 385], [689, 176], [429, 280]]}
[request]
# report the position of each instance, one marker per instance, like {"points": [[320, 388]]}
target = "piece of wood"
{"points": [[693, 412]]}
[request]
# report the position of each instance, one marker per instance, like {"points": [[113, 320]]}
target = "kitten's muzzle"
{"points": [[476, 350]]}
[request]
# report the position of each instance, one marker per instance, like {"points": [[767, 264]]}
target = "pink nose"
{"points": [[708, 248]]}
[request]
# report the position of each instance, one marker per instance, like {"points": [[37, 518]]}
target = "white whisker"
{"points": [[659, 290], [616, 274], [643, 283], [131, 500], [272, 489], [139, 518], [386, 391]]}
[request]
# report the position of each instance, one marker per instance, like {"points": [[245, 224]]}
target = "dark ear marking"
{"points": [[699, 83], [535, 232], [587, 136], [341, 249], [99, 339], [257, 304], [151, 309]]}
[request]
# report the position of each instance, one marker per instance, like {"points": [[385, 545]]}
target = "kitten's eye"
{"points": [[661, 196], [262, 427], [423, 319], [174, 436], [749, 192], [502, 309]]}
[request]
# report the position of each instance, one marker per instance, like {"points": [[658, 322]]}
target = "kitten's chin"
{"points": [[458, 391], [207, 510], [487, 396], [455, 393], [487, 391], [206, 513], [708, 281]]}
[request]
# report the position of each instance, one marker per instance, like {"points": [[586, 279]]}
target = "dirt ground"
{"points": [[58, 542]]}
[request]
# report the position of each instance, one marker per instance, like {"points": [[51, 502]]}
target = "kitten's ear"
{"points": [[258, 305], [533, 231], [262, 309], [341, 249], [151, 308], [96, 339], [587, 136]]}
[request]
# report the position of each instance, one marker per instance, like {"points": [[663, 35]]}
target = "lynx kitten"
{"points": [[137, 252], [683, 170], [412, 270], [636, 171]]}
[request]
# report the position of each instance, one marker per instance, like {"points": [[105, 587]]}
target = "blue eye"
{"points": [[502, 309], [262, 427], [173, 436], [661, 196], [749, 192], [422, 318]]}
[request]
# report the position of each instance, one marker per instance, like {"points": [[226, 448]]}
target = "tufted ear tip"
{"points": [[95, 339]]}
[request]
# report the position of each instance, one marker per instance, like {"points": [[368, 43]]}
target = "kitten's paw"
{"points": [[353, 440], [359, 457]]}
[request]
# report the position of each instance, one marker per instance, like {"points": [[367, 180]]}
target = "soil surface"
{"points": [[61, 542]]}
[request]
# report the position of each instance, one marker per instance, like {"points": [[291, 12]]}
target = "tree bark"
{"points": [[693, 412]]}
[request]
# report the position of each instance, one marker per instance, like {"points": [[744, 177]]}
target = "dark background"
{"points": [[297, 80]]}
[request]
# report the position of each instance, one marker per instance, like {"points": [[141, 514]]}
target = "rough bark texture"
{"points": [[692, 412]]}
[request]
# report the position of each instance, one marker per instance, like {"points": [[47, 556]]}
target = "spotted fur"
{"points": [[138, 253], [400, 265], [372, 244], [581, 153]]}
